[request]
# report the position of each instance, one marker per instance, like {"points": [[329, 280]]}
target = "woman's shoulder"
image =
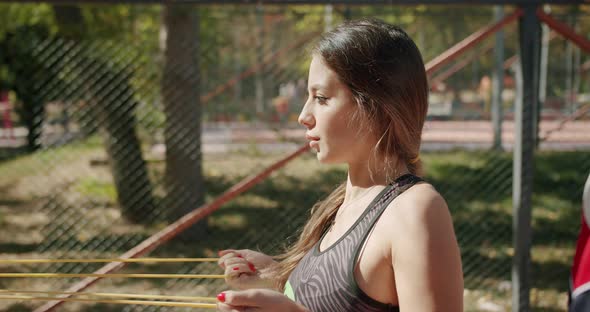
{"points": [[419, 205]]}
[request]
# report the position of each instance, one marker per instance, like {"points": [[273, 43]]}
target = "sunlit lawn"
{"points": [[476, 185]]}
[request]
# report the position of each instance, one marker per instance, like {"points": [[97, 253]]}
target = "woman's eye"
{"points": [[321, 99]]}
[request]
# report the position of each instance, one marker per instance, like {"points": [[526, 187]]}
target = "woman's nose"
{"points": [[306, 118]]}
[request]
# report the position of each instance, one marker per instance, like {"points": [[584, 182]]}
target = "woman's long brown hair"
{"points": [[385, 72]]}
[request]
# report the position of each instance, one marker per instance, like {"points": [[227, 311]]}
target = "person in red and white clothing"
{"points": [[580, 279]]}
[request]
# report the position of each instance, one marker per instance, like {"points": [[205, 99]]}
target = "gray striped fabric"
{"points": [[324, 281]]}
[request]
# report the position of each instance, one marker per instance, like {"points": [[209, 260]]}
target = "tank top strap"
{"points": [[397, 187]]}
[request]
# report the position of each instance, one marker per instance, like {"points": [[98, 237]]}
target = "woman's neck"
{"points": [[362, 178]]}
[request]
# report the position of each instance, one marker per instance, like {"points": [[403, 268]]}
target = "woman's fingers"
{"points": [[239, 272], [222, 253], [227, 298], [235, 263], [230, 301], [226, 255], [236, 269], [232, 259]]}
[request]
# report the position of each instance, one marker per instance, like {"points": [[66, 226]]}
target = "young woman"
{"points": [[384, 239]]}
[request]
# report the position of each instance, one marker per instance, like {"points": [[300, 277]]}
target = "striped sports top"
{"points": [[323, 281]]}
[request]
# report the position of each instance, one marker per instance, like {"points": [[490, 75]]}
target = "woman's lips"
{"points": [[311, 137], [313, 140]]}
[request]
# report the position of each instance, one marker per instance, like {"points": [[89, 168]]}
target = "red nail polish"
{"points": [[221, 297], [239, 256], [252, 267], [236, 268]]}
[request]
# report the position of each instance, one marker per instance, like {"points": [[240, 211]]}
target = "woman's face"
{"points": [[327, 116]]}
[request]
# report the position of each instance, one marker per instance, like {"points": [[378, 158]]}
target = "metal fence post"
{"points": [[524, 146]]}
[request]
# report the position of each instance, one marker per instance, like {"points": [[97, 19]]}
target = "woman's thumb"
{"points": [[239, 298]]}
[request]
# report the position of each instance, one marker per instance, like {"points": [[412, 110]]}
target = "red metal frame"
{"points": [[457, 67], [507, 64], [469, 42], [564, 30]]}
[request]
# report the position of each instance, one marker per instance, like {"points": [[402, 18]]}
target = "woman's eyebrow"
{"points": [[316, 86]]}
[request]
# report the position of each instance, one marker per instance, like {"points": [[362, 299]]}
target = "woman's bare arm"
{"points": [[425, 254]]}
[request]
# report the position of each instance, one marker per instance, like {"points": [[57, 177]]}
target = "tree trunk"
{"points": [[114, 107], [22, 62], [182, 107], [130, 173]]}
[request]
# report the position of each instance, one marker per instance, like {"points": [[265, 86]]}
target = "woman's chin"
{"points": [[323, 158]]}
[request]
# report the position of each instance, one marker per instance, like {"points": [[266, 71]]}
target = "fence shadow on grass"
{"points": [[477, 187]]}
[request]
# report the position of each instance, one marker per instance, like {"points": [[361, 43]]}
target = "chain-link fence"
{"points": [[155, 110]]}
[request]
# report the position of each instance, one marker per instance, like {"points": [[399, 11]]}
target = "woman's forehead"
{"points": [[321, 76]]}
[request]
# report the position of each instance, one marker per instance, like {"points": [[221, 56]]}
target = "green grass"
{"points": [[30, 164], [476, 185], [96, 189]]}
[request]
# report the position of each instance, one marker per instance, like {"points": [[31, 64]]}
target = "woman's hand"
{"points": [[245, 269], [257, 300]]}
